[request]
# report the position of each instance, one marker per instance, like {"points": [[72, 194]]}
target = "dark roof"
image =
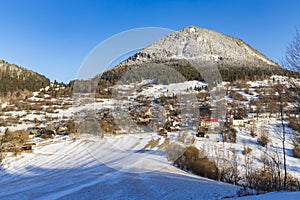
{"points": [[238, 118]]}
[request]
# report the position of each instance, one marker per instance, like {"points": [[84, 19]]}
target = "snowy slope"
{"points": [[68, 170], [273, 196], [121, 166]]}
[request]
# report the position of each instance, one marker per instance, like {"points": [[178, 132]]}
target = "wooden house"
{"points": [[46, 133], [27, 147]]}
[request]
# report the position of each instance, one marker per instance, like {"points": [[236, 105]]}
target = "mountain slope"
{"points": [[234, 58], [198, 43], [68, 170], [14, 78]]}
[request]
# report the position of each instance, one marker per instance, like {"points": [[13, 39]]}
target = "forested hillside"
{"points": [[15, 79]]}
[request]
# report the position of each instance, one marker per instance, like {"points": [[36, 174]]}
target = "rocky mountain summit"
{"points": [[233, 58], [199, 43]]}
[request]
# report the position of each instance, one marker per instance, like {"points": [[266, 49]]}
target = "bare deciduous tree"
{"points": [[292, 62], [292, 58], [281, 90]]}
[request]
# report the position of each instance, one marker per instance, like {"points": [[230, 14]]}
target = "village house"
{"points": [[205, 122], [143, 120], [237, 121], [46, 133], [28, 147], [201, 131]]}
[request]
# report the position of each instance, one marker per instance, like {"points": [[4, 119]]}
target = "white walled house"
{"points": [[237, 121]]}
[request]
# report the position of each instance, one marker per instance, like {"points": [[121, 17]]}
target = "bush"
{"points": [[242, 84], [247, 91], [247, 151], [229, 133], [294, 123], [71, 127], [2, 153], [264, 136], [201, 166], [263, 140], [237, 96], [230, 174], [253, 134], [261, 180], [108, 126], [296, 151], [266, 180], [13, 141], [292, 183]]}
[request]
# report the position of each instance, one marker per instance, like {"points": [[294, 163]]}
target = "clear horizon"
{"points": [[54, 37]]}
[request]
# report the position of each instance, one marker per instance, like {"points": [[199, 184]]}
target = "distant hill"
{"points": [[17, 79], [235, 59]]}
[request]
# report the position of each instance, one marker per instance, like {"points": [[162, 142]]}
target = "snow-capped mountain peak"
{"points": [[199, 43]]}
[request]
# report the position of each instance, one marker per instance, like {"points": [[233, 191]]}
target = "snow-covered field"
{"points": [[273, 196], [133, 166], [86, 169], [75, 170]]}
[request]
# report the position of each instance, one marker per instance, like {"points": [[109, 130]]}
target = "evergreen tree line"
{"points": [[189, 72], [177, 70], [14, 78]]}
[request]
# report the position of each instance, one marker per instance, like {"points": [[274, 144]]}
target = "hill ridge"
{"points": [[14, 78]]}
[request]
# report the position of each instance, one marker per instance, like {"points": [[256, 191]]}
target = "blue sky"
{"points": [[53, 37]]}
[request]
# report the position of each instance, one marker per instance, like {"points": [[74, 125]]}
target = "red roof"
{"points": [[209, 120]]}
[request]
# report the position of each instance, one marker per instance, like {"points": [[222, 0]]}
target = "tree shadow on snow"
{"points": [[98, 181]]}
